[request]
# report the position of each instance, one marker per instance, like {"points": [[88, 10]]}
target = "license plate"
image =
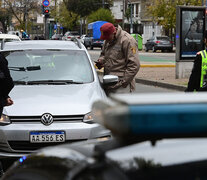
{"points": [[47, 137]]}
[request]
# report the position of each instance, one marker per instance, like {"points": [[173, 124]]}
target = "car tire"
{"points": [[153, 49], [91, 47], [146, 49], [170, 50]]}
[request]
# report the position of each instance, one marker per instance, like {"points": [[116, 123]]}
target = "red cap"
{"points": [[106, 30]]}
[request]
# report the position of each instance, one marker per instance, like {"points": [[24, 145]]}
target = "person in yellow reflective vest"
{"points": [[198, 77]]}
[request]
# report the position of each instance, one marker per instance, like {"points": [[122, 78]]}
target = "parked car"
{"points": [[17, 33], [9, 37], [57, 36], [90, 42], [156, 136], [95, 34], [55, 86], [86, 40], [71, 34], [96, 43], [159, 43]]}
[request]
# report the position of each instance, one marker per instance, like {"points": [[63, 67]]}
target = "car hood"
{"points": [[70, 99]]}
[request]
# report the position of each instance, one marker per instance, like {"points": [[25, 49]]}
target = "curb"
{"points": [[157, 65], [155, 83], [160, 84], [148, 65]]}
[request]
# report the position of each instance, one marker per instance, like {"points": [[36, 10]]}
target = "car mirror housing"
{"points": [[107, 79]]}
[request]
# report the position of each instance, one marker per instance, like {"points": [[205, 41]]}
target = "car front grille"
{"points": [[36, 119], [27, 146]]}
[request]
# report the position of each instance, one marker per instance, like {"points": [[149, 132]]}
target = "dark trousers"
{"points": [[1, 109]]}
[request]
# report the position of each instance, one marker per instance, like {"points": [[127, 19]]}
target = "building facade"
{"points": [[139, 18]]}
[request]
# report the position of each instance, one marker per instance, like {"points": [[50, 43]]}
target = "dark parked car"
{"points": [[159, 43], [96, 43], [86, 40], [91, 42], [156, 136]]}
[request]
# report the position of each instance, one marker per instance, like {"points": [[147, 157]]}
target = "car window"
{"points": [[163, 38], [54, 65], [74, 33], [151, 39], [9, 40]]}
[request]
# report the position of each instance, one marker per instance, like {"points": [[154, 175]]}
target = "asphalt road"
{"points": [[145, 57]]}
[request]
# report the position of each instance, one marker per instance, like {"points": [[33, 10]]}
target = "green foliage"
{"points": [[101, 15], [66, 18], [5, 18], [164, 11], [85, 7]]}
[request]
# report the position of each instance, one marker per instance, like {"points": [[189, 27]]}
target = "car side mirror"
{"points": [[108, 79]]}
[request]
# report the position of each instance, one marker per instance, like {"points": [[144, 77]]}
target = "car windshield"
{"points": [[163, 38], [49, 65], [74, 33]]}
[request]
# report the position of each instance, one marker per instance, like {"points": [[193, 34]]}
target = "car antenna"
{"points": [[77, 42], [2, 44]]}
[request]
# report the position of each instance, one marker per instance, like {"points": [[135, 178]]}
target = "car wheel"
{"points": [[91, 47], [146, 49], [170, 50], [153, 49]]}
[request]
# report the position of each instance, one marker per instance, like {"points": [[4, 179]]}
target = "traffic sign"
{"points": [[45, 3]]}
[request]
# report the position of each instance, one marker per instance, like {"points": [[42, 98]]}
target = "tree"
{"points": [[85, 7], [66, 18], [101, 15], [5, 19], [163, 12], [21, 9]]}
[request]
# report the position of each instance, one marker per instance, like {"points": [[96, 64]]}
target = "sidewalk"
{"points": [[163, 76], [159, 75]]}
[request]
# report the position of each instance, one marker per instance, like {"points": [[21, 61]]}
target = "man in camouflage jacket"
{"points": [[119, 57]]}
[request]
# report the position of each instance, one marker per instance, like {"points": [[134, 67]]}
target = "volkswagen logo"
{"points": [[47, 119]]}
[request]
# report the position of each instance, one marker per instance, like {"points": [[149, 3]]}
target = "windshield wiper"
{"points": [[20, 82], [29, 68], [54, 82]]}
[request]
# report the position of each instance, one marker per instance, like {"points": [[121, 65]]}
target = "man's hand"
{"points": [[99, 64], [117, 85], [9, 102]]}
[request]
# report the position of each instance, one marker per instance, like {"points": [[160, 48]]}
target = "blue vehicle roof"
{"points": [[155, 116], [95, 26]]}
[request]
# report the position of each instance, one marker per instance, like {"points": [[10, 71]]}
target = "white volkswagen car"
{"points": [[55, 86]]}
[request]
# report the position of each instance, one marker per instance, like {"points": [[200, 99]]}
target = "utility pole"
{"points": [[131, 25], [103, 3], [26, 15], [123, 13]]}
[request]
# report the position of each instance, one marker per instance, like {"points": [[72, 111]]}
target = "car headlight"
{"points": [[4, 120], [88, 118]]}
